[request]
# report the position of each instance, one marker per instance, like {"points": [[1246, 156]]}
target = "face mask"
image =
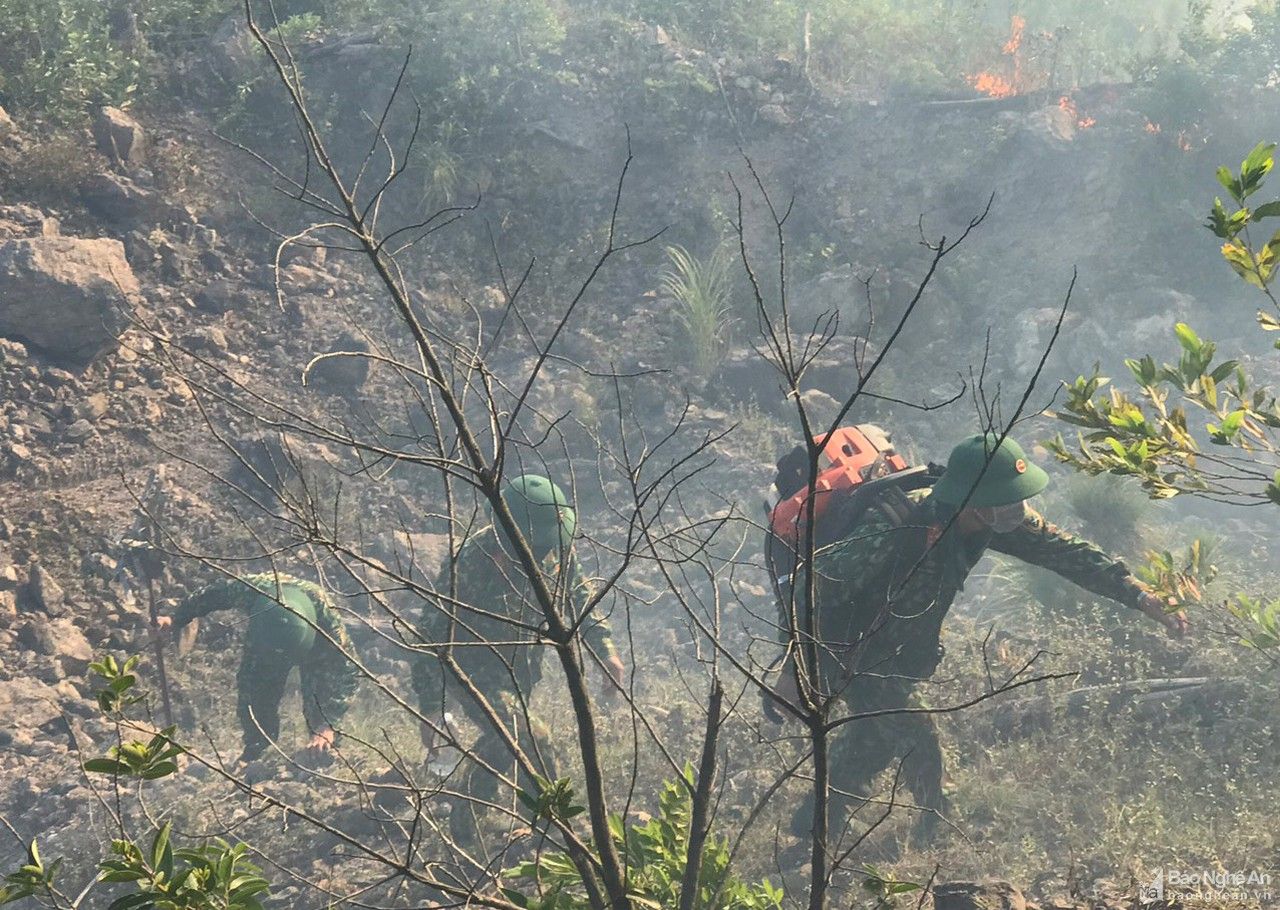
{"points": [[1003, 519]]}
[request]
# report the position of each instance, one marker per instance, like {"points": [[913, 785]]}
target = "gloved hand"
{"points": [[320, 743], [617, 671], [1176, 622]]}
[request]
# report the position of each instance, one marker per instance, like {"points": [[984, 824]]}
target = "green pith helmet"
{"points": [[286, 625], [1010, 477], [542, 511]]}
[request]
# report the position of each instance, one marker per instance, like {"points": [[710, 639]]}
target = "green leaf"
{"points": [[159, 770], [1256, 166], [106, 766], [1187, 337], [1228, 181], [1223, 370], [515, 897], [1270, 210]]}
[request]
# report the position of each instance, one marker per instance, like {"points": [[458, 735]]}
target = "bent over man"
{"points": [[883, 592], [290, 623], [488, 628]]}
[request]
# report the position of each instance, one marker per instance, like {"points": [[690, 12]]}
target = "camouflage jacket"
{"points": [[328, 679], [883, 592], [492, 591]]}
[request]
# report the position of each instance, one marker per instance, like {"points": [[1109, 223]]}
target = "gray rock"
{"points": [[38, 423], [63, 295], [822, 408], [217, 338], [26, 703], [220, 296], [344, 374], [116, 198], [25, 221], [70, 647], [93, 407], [12, 353], [775, 114], [80, 430], [8, 129], [43, 591], [119, 136], [36, 635]]}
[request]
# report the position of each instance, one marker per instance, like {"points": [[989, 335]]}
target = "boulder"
{"points": [[220, 296], [119, 136], [70, 647], [27, 703], [116, 198], [80, 430], [26, 221], [35, 635], [8, 129], [93, 407], [992, 895], [343, 374], [775, 114], [63, 294], [43, 592]]}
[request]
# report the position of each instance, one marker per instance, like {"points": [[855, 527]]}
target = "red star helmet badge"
{"points": [[1020, 466]]}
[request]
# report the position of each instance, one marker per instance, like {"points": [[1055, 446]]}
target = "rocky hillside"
{"points": [[130, 276]]}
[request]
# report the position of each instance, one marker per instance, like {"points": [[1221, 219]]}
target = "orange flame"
{"points": [[1152, 128], [1068, 106], [1016, 27], [993, 85]]}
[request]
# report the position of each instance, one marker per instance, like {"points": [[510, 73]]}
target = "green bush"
{"points": [[60, 57], [655, 853], [57, 57]]}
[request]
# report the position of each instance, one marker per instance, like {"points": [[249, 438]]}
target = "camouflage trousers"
{"points": [[492, 765], [260, 686], [861, 749]]}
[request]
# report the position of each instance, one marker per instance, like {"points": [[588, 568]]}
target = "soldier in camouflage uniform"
{"points": [[884, 591], [503, 660], [291, 623]]}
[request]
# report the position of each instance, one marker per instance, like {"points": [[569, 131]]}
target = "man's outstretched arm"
{"points": [[1040, 543]]}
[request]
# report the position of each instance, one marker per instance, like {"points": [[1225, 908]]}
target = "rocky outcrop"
{"points": [[29, 703], [43, 592], [119, 200], [119, 136], [64, 295], [17, 221], [59, 639]]}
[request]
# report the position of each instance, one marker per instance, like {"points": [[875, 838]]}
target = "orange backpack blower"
{"points": [[858, 467]]}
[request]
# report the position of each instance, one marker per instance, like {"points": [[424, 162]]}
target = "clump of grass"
{"points": [[702, 290], [1110, 508]]}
